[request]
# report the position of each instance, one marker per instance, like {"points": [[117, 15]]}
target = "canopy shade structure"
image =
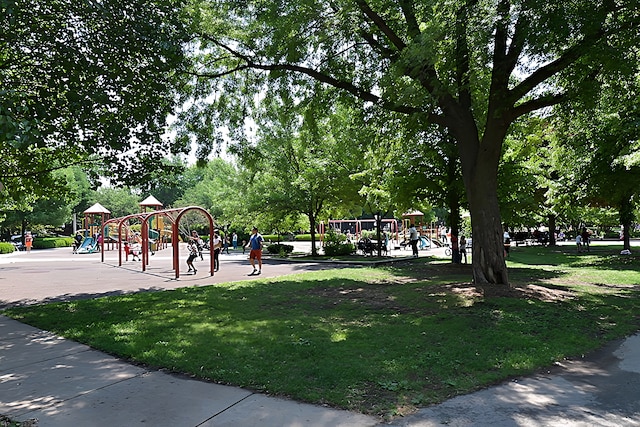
{"points": [[151, 202], [97, 209]]}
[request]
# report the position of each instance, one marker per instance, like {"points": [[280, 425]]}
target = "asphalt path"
{"points": [[58, 274]]}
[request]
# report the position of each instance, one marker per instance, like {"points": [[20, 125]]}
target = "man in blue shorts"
{"points": [[255, 243]]}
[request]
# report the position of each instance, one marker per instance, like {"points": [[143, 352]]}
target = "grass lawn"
{"points": [[382, 341]]}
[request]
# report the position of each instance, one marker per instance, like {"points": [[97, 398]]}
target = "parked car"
{"points": [[17, 242]]}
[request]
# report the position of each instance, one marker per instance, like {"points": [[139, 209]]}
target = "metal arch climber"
{"points": [[174, 216]]}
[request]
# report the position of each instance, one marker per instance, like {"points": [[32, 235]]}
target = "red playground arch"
{"points": [[391, 223], [174, 216]]}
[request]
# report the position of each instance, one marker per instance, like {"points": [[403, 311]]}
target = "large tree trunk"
{"points": [[480, 174], [552, 230], [488, 248]]}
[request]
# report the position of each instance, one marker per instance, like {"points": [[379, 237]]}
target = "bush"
{"points": [[369, 234], [280, 249], [52, 242], [340, 249], [336, 244], [6, 248]]}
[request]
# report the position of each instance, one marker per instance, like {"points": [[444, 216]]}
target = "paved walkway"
{"points": [[62, 383]]}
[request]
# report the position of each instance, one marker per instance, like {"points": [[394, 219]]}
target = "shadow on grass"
{"points": [[379, 341]]}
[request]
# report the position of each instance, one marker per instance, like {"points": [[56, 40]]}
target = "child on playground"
{"points": [[192, 246], [135, 250]]}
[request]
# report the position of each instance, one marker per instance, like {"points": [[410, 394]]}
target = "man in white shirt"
{"points": [[413, 238]]}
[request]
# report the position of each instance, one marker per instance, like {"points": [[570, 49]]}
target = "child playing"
{"points": [[193, 253]]}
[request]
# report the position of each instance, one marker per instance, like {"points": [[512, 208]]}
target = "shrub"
{"points": [[336, 244], [52, 242], [340, 249], [369, 234], [280, 248], [6, 248]]}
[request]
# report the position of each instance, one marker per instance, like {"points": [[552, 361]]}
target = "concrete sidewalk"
{"points": [[65, 384]]}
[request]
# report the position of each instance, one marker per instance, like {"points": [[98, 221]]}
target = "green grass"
{"points": [[377, 340]]}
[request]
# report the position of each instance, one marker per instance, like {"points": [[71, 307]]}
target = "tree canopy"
{"points": [[473, 67], [86, 82]]}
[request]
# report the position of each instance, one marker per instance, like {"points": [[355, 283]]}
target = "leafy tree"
{"points": [[219, 188], [86, 83], [472, 67], [604, 143], [536, 186], [168, 182], [397, 177], [301, 166], [45, 211], [119, 201]]}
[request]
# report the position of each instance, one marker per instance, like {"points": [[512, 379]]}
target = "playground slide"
{"points": [[88, 246]]}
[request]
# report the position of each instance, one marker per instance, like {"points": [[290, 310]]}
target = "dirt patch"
{"points": [[376, 294], [373, 296], [543, 293]]}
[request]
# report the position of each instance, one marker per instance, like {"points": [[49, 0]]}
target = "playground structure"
{"points": [[90, 242], [396, 229], [424, 228], [154, 234], [173, 216], [355, 227]]}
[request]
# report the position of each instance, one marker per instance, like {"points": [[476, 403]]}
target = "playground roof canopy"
{"points": [[97, 209], [150, 201]]}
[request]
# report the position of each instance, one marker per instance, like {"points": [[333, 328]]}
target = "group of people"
{"points": [[219, 244], [583, 240], [79, 238], [458, 246]]}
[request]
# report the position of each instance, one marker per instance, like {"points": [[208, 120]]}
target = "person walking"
{"points": [[255, 244], [586, 237], [234, 240], [413, 238], [579, 242], [463, 248], [28, 241], [217, 247]]}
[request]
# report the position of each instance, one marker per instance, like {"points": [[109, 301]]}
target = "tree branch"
{"points": [[34, 173], [569, 56], [538, 103], [316, 75], [381, 24], [413, 29], [462, 55]]}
